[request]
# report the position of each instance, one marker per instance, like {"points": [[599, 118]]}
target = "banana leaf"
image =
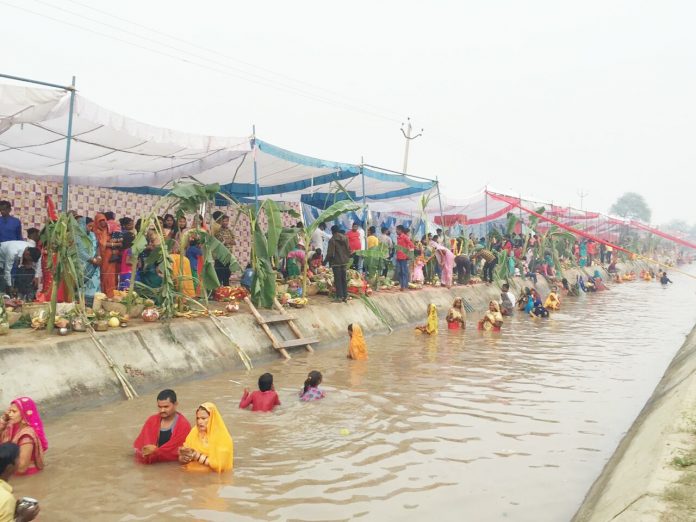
{"points": [[512, 220], [286, 242], [330, 214], [275, 225]]}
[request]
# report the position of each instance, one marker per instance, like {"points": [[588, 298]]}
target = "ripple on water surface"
{"points": [[484, 426]]}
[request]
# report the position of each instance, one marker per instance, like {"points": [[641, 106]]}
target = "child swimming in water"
{"points": [[265, 399], [311, 391]]}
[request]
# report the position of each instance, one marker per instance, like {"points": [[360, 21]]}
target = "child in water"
{"points": [[664, 280], [311, 391], [430, 327], [357, 349], [265, 399]]}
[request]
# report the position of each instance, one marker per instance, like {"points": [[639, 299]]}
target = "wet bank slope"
{"points": [[65, 372], [631, 486]]}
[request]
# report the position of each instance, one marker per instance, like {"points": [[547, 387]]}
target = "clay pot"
{"points": [[4, 328], [77, 325], [63, 330], [101, 325], [150, 315]]}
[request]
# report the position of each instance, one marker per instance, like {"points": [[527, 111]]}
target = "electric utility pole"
{"points": [[409, 139], [582, 196]]}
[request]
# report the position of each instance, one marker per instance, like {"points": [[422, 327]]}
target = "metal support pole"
{"points": [[68, 136], [442, 214], [486, 211], [364, 198], [37, 82], [256, 177]]}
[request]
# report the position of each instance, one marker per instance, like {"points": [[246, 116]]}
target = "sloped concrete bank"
{"points": [[63, 373], [633, 481]]}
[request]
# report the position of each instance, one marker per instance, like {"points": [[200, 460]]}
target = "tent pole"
{"points": [[68, 136], [442, 214], [364, 198], [486, 210], [256, 178], [37, 82]]}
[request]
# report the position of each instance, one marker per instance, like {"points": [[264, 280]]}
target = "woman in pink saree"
{"points": [[445, 257], [21, 424]]}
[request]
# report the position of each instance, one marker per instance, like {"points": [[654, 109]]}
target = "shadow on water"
{"points": [[514, 425]]}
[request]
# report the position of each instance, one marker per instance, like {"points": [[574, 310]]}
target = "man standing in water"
{"points": [[163, 433]]}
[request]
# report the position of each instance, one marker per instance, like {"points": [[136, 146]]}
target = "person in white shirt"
{"points": [[11, 253], [507, 300], [319, 238]]}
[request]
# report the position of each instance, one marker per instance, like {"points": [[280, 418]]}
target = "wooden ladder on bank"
{"points": [[281, 317]]}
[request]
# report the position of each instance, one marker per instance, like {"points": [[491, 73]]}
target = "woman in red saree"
{"points": [[106, 248], [22, 425]]}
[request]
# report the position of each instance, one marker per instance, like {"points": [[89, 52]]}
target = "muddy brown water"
{"points": [[459, 426]]}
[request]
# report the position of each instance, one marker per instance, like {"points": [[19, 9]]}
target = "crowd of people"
{"points": [[106, 257]]}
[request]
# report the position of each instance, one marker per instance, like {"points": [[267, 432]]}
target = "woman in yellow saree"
{"points": [[208, 445], [181, 272], [553, 302], [493, 319], [430, 327], [357, 349]]}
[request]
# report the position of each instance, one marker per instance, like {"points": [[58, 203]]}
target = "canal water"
{"points": [[461, 426]]}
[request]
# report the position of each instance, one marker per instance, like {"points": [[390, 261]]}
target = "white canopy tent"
{"points": [[114, 151]]}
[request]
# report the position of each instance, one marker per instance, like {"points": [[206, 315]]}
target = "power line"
{"points": [[228, 57], [240, 74]]}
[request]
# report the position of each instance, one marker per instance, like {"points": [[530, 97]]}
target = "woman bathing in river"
{"points": [[430, 327], [493, 319], [21, 424], [209, 445], [456, 317], [357, 349]]}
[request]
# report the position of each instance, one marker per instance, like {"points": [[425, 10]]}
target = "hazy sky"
{"points": [[546, 98]]}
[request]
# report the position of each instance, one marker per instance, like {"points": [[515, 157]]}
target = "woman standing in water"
{"points": [[22, 425], [493, 319], [456, 317], [357, 349], [430, 327], [209, 445]]}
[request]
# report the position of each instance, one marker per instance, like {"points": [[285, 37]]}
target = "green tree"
{"points": [[677, 225], [632, 206]]}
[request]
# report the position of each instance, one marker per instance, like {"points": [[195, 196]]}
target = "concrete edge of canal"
{"points": [[65, 373], [633, 481]]}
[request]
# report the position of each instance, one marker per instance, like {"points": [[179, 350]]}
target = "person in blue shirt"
{"points": [[247, 277], [10, 226]]}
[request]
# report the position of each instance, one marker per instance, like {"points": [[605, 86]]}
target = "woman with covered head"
{"points": [[209, 445], [21, 424], [357, 349], [107, 248], [456, 317], [430, 327], [492, 319]]}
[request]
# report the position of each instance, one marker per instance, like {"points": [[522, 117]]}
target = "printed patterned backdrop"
{"points": [[27, 198]]}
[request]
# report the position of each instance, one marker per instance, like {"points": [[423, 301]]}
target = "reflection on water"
{"points": [[464, 425]]}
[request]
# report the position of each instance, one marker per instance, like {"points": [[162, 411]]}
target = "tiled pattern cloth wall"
{"points": [[27, 198]]}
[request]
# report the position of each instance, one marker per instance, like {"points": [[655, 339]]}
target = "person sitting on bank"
{"points": [[311, 391], [265, 399], [163, 433], [10, 509], [456, 317], [209, 445], [553, 302], [507, 300], [431, 325], [22, 425], [357, 349], [492, 319]]}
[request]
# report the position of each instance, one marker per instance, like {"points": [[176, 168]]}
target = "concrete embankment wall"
{"points": [[631, 485], [67, 372]]}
